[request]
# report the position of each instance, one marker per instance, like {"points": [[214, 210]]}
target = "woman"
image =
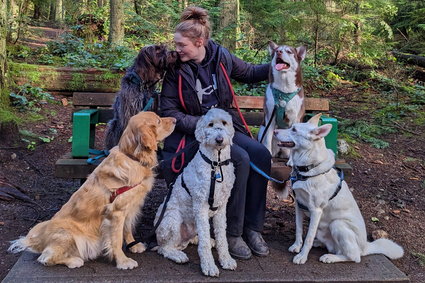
{"points": [[202, 83]]}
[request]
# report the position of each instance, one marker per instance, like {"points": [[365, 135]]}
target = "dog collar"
{"points": [[214, 164], [145, 164]]}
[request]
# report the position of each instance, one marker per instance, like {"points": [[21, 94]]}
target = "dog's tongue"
{"points": [[281, 66]]}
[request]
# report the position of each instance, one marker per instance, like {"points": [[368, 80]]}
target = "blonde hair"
{"points": [[194, 23]]}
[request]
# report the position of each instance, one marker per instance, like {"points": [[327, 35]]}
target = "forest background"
{"points": [[366, 56]]}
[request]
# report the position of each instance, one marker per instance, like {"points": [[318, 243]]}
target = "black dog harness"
{"points": [[215, 177], [296, 176]]}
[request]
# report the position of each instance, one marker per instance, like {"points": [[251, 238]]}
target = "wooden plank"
{"points": [[250, 102], [257, 102], [73, 168], [245, 102], [93, 98], [316, 104]]}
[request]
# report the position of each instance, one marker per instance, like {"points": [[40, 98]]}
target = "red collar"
{"points": [[120, 191]]}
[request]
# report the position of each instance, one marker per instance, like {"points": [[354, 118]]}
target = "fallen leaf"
{"points": [[1, 223], [396, 211], [374, 219], [64, 101], [405, 210], [378, 162], [378, 234], [414, 178]]}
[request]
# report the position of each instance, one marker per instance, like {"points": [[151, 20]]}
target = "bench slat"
{"points": [[105, 99], [101, 99]]}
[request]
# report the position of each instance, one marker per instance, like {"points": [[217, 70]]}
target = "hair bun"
{"points": [[195, 13]]}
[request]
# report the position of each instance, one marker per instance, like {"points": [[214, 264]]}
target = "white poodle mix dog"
{"points": [[321, 194], [190, 205]]}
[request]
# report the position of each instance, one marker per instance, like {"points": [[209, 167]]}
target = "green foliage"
{"points": [[410, 26], [420, 257], [29, 98], [366, 131], [72, 51]]}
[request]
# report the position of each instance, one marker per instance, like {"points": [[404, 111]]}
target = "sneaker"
{"points": [[256, 242], [238, 248]]}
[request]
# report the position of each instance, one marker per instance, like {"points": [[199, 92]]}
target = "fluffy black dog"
{"points": [[137, 87]]}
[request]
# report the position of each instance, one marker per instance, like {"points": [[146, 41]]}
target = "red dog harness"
{"points": [[120, 191]]}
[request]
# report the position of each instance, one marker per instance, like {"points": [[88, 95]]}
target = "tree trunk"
{"points": [[100, 3], [357, 31], [229, 23], [8, 130], [316, 38], [411, 59], [116, 30], [137, 8], [58, 11], [37, 11], [52, 11], [3, 56]]}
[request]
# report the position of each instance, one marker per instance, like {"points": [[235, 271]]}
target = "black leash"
{"points": [[268, 124]]}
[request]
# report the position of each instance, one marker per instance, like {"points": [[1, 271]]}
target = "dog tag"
{"points": [[217, 175]]}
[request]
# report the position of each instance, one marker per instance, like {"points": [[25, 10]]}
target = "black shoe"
{"points": [[256, 242], [238, 248]]}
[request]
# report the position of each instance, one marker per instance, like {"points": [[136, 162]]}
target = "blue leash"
{"points": [[259, 171], [99, 154]]}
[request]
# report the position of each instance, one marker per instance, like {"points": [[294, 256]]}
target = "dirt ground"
{"points": [[388, 185]]}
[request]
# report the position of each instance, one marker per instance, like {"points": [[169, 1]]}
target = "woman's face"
{"points": [[189, 50]]}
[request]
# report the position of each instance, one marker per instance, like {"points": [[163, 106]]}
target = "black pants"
{"points": [[247, 202]]}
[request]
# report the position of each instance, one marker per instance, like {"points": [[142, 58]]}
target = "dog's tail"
{"points": [[18, 245], [385, 247]]}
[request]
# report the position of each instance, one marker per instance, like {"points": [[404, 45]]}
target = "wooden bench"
{"points": [[94, 108]]}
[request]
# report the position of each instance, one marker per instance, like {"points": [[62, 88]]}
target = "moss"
{"points": [[77, 82], [77, 79]]}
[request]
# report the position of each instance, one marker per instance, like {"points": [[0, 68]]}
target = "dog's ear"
{"points": [[128, 141], [315, 119], [147, 137], [199, 131], [321, 131], [272, 47], [301, 52]]}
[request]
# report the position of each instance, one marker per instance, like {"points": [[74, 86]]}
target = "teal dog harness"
{"points": [[280, 101]]}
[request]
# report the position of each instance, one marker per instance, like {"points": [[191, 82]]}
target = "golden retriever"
{"points": [[98, 218]]}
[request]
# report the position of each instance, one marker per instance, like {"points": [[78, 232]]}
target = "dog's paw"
{"points": [[174, 254], [127, 263], [75, 262], [295, 248], [138, 248], [300, 258], [329, 258], [180, 257], [210, 269], [228, 263]]}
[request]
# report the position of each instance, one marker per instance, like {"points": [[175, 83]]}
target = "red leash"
{"points": [[182, 143], [234, 99]]}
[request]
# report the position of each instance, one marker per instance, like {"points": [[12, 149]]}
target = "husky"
{"points": [[284, 93], [321, 194]]}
